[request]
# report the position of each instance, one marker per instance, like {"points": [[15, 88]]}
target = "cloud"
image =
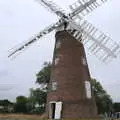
{"points": [[20, 19], [6, 87], [3, 73], [113, 91]]}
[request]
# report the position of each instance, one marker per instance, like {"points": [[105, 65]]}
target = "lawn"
{"points": [[27, 117], [19, 117]]}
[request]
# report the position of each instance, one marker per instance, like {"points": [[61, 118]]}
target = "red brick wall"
{"points": [[70, 74]]}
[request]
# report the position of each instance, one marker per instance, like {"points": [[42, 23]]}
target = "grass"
{"points": [[29, 117], [19, 117]]}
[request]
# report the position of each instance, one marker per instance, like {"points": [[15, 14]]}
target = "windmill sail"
{"points": [[51, 6], [20, 47], [96, 41], [81, 7], [89, 6]]}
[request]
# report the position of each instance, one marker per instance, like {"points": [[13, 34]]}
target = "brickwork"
{"points": [[70, 73]]}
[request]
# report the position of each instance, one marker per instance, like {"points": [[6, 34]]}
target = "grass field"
{"points": [[27, 117], [19, 117]]}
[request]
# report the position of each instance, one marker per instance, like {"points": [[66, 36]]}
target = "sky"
{"points": [[21, 19]]}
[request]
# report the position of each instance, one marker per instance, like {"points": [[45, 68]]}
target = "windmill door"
{"points": [[55, 110]]}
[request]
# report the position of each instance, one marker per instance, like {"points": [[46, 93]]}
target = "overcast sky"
{"points": [[20, 19]]}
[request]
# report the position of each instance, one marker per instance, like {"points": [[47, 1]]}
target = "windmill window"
{"points": [[84, 61], [54, 86], [88, 89], [58, 43], [56, 61]]}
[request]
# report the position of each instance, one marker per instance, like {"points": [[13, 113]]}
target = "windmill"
{"points": [[70, 93]]}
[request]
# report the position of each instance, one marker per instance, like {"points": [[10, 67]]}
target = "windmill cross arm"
{"points": [[99, 39], [83, 7], [54, 8], [36, 37], [98, 42]]}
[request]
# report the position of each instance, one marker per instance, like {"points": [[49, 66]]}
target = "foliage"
{"points": [[6, 106], [20, 105], [43, 76], [5, 102], [116, 107], [103, 100], [38, 100], [38, 96]]}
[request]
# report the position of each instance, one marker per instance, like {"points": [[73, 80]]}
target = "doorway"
{"points": [[55, 109]]}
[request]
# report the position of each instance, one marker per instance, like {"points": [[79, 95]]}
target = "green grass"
{"points": [[31, 117]]}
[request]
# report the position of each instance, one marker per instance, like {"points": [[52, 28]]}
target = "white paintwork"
{"points": [[54, 86], [58, 44], [88, 89], [58, 109], [56, 61], [84, 61]]}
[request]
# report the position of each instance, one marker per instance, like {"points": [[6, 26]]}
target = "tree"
{"points": [[6, 106], [5, 102], [102, 99], [43, 76], [116, 107], [38, 99], [21, 104]]}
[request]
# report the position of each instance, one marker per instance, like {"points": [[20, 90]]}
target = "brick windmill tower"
{"points": [[70, 93]]}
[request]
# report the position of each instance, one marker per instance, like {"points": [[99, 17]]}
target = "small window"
{"points": [[58, 43], [54, 86], [84, 61], [56, 61], [88, 89]]}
